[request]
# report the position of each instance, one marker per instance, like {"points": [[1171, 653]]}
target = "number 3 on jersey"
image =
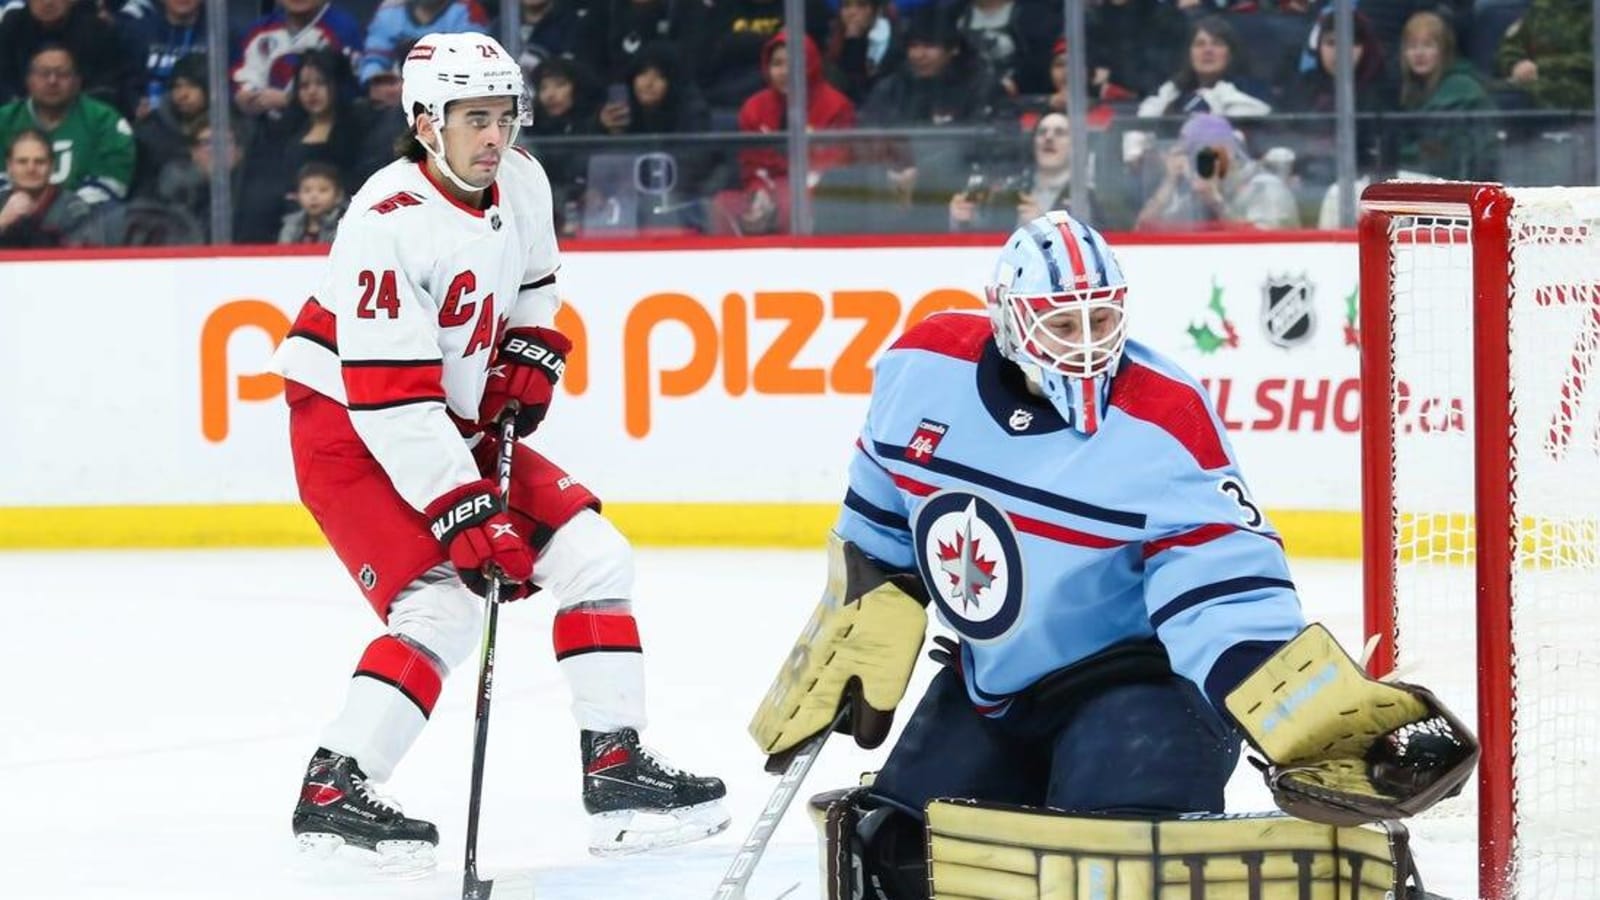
{"points": [[377, 292], [1248, 511]]}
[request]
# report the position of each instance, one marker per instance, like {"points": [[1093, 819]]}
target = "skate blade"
{"points": [[400, 860], [632, 831]]}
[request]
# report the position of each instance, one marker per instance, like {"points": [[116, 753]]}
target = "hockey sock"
{"points": [[597, 646], [390, 698]]}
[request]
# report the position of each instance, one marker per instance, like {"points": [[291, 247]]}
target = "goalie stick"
{"points": [[473, 887], [750, 852]]}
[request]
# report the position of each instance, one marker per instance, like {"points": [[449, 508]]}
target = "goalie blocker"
{"points": [[855, 654]]}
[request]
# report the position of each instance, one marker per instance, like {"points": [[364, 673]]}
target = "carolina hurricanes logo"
{"points": [[967, 551]]}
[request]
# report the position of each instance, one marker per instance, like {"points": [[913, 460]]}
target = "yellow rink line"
{"points": [[1334, 535]]}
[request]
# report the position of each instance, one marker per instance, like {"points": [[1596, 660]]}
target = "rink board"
{"points": [[714, 395]]}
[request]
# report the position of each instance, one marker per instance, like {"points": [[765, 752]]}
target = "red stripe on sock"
{"points": [[406, 667], [580, 631]]}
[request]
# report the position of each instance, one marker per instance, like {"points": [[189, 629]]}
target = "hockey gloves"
{"points": [[1342, 748], [856, 654], [526, 368], [470, 523]]}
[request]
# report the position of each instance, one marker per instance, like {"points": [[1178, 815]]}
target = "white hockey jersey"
{"points": [[419, 289]]}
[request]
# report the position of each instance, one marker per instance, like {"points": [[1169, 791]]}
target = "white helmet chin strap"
{"points": [[438, 157]]}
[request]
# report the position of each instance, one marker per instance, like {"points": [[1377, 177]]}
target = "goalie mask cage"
{"points": [[1480, 328]]}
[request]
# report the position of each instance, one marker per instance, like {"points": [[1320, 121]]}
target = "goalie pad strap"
{"points": [[872, 847], [1013, 853], [856, 652]]}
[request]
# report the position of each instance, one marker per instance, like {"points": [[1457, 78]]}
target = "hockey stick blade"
{"points": [[505, 887], [744, 862]]}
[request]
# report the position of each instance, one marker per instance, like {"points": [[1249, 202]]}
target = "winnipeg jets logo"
{"points": [[970, 573], [968, 555]]}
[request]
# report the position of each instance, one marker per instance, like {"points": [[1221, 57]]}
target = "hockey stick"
{"points": [[472, 887], [750, 852]]}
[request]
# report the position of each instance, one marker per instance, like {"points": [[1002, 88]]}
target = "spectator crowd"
{"points": [[922, 115]]}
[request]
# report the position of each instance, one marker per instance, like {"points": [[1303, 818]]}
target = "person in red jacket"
{"points": [[761, 204]]}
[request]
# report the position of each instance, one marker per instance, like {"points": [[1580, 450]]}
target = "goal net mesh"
{"points": [[1554, 325]]}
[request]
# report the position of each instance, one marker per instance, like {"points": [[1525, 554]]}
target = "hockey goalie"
{"points": [[1068, 503]]}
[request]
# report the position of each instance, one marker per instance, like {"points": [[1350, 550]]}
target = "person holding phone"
{"points": [[657, 96], [1210, 182], [995, 204]]}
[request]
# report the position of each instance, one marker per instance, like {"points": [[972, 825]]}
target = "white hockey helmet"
{"points": [[1056, 305], [442, 68]]}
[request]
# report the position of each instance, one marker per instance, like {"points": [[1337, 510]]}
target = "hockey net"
{"points": [[1481, 499]]}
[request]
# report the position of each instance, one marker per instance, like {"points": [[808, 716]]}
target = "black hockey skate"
{"points": [[338, 807], [638, 802]]}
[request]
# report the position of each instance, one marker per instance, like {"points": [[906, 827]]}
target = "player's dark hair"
{"points": [[408, 146]]}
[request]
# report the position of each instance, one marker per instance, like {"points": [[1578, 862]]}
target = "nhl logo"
{"points": [[368, 576], [968, 556], [494, 220], [1288, 313]]}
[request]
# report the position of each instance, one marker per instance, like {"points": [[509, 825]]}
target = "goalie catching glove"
{"points": [[1342, 748], [856, 654]]}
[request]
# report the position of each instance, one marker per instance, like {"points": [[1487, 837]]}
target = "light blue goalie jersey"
{"points": [[1042, 546]]}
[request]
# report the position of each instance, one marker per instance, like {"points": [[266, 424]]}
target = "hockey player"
{"points": [[1068, 501], [437, 313]]}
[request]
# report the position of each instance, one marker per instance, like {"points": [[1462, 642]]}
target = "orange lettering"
{"points": [[735, 346], [569, 323], [879, 310], [774, 372], [693, 375], [214, 336], [941, 300]]}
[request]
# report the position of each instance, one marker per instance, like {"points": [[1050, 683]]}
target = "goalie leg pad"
{"points": [[1012, 853], [857, 652], [872, 848]]}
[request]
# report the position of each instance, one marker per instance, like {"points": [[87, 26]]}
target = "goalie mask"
{"points": [[443, 68], [1056, 304]]}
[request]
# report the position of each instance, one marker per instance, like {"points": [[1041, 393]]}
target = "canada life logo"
{"points": [[968, 554]]}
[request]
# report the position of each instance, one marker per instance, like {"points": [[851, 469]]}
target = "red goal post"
{"points": [[1480, 325]]}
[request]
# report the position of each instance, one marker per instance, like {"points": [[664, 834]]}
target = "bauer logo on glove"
{"points": [[1342, 748]]}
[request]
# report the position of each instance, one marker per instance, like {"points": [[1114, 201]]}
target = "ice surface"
{"points": [[160, 706]]}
